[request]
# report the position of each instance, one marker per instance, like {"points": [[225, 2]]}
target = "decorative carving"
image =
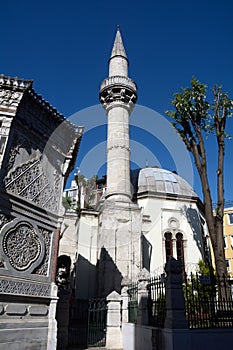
{"points": [[22, 246], [42, 270], [118, 90], [118, 80], [173, 223], [14, 83], [119, 146], [30, 182], [17, 143], [4, 219], [9, 98], [24, 288]]}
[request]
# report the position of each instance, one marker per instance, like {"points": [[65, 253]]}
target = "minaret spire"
{"points": [[118, 62], [118, 47], [118, 94]]}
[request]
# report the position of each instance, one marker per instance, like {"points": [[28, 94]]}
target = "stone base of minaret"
{"points": [[119, 245]]}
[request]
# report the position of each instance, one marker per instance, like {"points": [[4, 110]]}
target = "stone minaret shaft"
{"points": [[118, 96]]}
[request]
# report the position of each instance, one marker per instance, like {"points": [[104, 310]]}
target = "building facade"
{"points": [[35, 160], [228, 238]]}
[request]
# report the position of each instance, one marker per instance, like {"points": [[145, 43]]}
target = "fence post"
{"points": [[114, 335], [143, 278], [175, 304], [125, 299]]}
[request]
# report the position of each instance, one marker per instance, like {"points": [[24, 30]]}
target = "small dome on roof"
{"points": [[162, 181]]}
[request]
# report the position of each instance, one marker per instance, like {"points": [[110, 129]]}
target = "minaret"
{"points": [[118, 94], [119, 231]]}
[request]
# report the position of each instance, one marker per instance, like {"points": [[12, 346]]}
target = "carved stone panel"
{"points": [[9, 98], [23, 247], [43, 268], [4, 219], [30, 181], [16, 287]]}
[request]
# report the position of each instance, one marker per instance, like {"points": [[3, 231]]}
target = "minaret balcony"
{"points": [[118, 89], [118, 80]]}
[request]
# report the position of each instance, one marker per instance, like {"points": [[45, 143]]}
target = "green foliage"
{"points": [[193, 113], [196, 292], [88, 186], [66, 202], [204, 269]]}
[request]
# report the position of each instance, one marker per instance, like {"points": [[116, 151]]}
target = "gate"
{"points": [[97, 321]]}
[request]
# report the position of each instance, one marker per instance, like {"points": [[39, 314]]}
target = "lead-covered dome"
{"points": [[163, 182]]}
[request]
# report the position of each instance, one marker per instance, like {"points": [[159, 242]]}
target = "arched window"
{"points": [[180, 248], [168, 244]]}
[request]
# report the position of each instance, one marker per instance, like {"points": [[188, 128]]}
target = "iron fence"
{"points": [[133, 302], [208, 301], [97, 322], [156, 301]]}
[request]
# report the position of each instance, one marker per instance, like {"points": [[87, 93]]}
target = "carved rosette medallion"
{"points": [[22, 246]]}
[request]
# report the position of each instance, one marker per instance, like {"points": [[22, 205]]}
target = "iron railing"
{"points": [[133, 302], [97, 322], [208, 301], [156, 301]]}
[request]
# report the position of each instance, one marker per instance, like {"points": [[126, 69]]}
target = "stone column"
{"points": [[175, 304], [52, 326], [114, 335], [143, 279]]}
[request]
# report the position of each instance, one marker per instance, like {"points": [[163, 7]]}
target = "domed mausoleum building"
{"points": [[173, 223]]}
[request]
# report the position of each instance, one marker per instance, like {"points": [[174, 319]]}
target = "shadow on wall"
{"points": [[146, 253], [109, 277], [83, 286], [85, 278], [196, 227]]}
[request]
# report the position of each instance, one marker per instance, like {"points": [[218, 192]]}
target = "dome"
{"points": [[161, 181]]}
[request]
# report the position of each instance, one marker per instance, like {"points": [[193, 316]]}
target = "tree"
{"points": [[66, 202], [194, 119], [85, 188]]}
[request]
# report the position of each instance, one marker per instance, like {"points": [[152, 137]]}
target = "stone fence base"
{"points": [[136, 337]]}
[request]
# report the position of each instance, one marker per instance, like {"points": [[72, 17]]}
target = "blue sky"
{"points": [[64, 47]]}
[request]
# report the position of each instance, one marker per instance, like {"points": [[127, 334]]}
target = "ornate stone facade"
{"points": [[38, 151]]}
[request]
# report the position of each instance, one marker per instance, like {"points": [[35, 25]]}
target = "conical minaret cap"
{"points": [[118, 47]]}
